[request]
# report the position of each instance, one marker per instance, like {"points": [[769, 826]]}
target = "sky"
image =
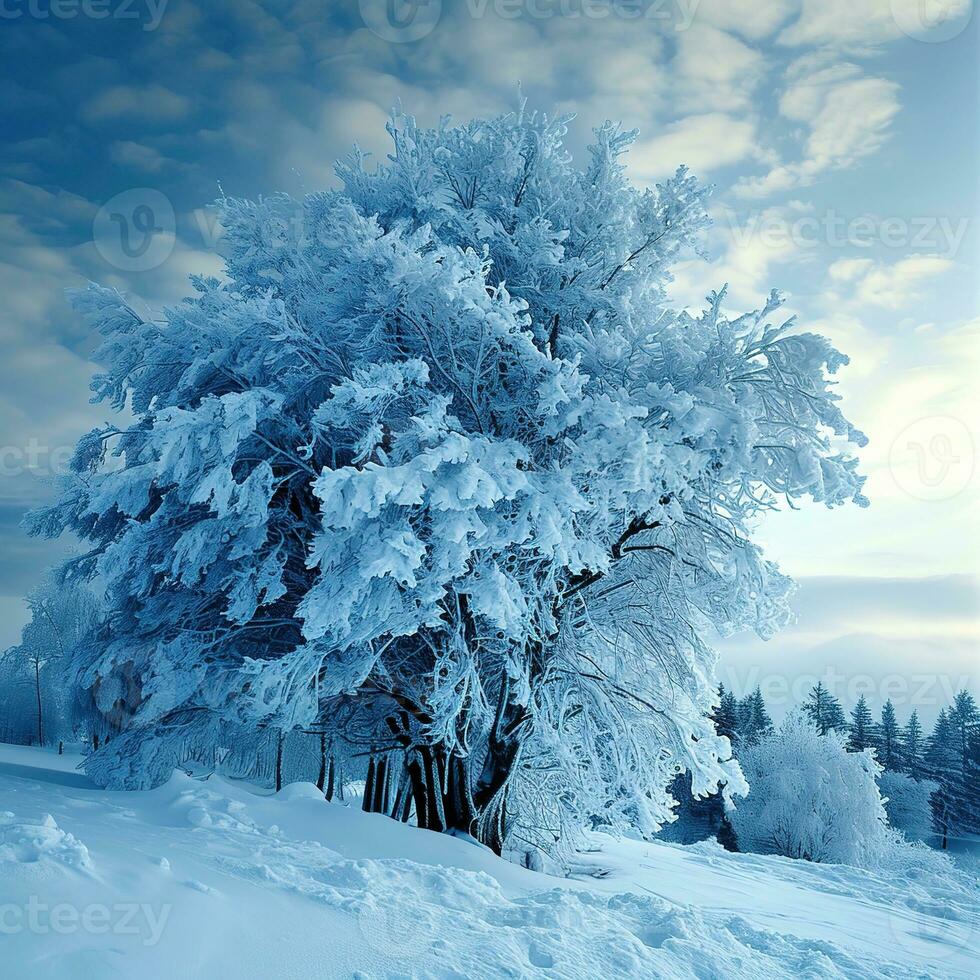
{"points": [[840, 137]]}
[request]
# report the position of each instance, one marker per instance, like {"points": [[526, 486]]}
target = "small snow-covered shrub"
{"points": [[810, 798], [907, 804]]}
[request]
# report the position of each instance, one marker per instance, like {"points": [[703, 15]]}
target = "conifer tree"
{"points": [[824, 710], [861, 735], [940, 760], [963, 720], [753, 718], [726, 714], [888, 743], [912, 747]]}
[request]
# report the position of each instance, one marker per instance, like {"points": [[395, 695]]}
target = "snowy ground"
{"points": [[217, 879]]}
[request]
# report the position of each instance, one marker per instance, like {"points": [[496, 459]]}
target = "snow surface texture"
{"points": [[208, 877]]}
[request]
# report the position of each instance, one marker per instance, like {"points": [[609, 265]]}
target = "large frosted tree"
{"points": [[437, 470]]}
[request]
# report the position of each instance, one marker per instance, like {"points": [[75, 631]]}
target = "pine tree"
{"points": [[824, 710], [753, 718], [726, 714], [971, 784], [912, 747], [888, 744], [861, 735], [964, 721], [940, 760]]}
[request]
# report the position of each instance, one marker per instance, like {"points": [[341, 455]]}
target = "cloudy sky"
{"points": [[841, 137]]}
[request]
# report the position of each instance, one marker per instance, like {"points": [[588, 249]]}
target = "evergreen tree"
{"points": [[726, 715], [971, 783], [861, 735], [888, 744], [753, 718], [912, 747], [940, 760], [963, 720], [824, 710]]}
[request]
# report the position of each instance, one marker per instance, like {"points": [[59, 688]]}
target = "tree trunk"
{"points": [[37, 683], [380, 802], [322, 776], [279, 761], [368, 799]]}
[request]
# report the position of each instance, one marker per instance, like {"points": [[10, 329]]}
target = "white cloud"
{"points": [[860, 24], [138, 156], [847, 270], [153, 103], [753, 20], [893, 286], [714, 70], [847, 116], [842, 23], [704, 143]]}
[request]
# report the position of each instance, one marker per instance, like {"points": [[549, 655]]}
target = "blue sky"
{"points": [[841, 137]]}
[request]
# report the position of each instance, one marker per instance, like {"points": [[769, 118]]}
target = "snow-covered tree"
{"points": [[824, 710], [726, 714], [953, 761], [912, 746], [62, 617], [753, 718], [438, 468], [963, 719], [861, 729], [907, 804], [810, 798], [889, 748]]}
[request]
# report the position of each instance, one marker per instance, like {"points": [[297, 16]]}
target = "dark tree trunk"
{"points": [[322, 775], [380, 802], [279, 742], [368, 799]]}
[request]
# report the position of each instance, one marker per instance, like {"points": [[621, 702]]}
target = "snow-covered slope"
{"points": [[214, 878]]}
